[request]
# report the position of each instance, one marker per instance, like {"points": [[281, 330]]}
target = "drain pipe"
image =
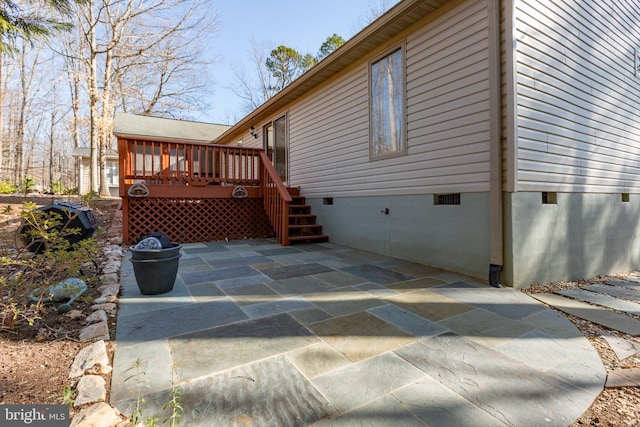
{"points": [[495, 146]]}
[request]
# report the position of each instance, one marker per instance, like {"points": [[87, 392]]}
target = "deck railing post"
{"points": [[276, 199]]}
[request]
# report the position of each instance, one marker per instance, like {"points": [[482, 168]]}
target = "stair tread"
{"points": [[299, 207], [322, 237], [299, 211]]}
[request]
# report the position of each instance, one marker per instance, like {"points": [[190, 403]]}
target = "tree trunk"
{"points": [[19, 144], [2, 92], [106, 128], [93, 102], [74, 90], [51, 143]]}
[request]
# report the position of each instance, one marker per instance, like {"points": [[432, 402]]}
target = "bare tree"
{"points": [[2, 101], [274, 69], [256, 86], [171, 76], [148, 42], [376, 9], [57, 113], [28, 70], [73, 72]]}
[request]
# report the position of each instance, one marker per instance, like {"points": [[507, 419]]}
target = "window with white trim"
{"points": [[112, 173]]}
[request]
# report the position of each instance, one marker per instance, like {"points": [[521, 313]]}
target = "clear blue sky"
{"points": [[301, 24]]}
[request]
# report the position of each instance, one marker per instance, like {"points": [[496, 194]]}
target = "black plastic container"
{"points": [[156, 269], [74, 216]]}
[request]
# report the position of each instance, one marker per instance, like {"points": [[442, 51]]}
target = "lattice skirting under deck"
{"points": [[189, 220]]}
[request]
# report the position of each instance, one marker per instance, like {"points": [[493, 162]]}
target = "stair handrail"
{"points": [[276, 199]]}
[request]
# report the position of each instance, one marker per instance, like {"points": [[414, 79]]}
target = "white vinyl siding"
{"points": [[447, 119], [84, 185], [578, 99]]}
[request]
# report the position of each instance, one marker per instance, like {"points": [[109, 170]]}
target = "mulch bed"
{"points": [[35, 360]]}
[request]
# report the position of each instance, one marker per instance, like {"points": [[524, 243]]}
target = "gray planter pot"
{"points": [[156, 270]]}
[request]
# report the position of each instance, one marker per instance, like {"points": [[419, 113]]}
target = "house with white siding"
{"points": [[83, 155], [496, 138]]}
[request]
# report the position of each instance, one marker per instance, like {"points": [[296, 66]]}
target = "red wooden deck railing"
{"points": [[276, 199], [183, 163], [182, 170]]}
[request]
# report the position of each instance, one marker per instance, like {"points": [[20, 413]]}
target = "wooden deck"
{"points": [[196, 192]]}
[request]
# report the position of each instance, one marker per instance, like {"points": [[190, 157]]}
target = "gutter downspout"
{"points": [[495, 146]]}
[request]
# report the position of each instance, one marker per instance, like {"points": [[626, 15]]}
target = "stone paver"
{"points": [[376, 274], [506, 302], [621, 347], [485, 327], [251, 294], [629, 377], [617, 321], [633, 283], [603, 300], [509, 390], [300, 286], [133, 302], [429, 305], [440, 406], [295, 270], [407, 321], [167, 322], [146, 367], [539, 349], [421, 283], [361, 335], [271, 308], [354, 385], [385, 411], [206, 292], [257, 334], [216, 349], [616, 291], [238, 261], [317, 359], [220, 274], [345, 301], [339, 279], [270, 392]]}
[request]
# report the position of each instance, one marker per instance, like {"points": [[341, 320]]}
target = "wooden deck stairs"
{"points": [[302, 224]]}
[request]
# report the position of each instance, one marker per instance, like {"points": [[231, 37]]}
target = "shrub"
{"points": [[57, 187], [28, 185], [90, 198], [21, 272], [6, 187]]}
